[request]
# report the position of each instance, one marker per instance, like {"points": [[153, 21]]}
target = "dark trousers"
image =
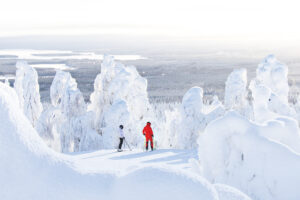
{"points": [[121, 142]]}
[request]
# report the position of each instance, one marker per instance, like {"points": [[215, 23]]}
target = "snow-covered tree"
{"points": [[65, 124], [193, 119], [100, 98], [75, 122], [120, 90], [261, 96], [6, 81], [273, 75], [47, 126], [235, 90], [27, 88]]}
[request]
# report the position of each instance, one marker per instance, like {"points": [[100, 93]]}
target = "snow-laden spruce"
{"points": [[27, 88], [75, 125], [192, 111], [184, 125], [274, 75], [120, 97], [260, 158], [235, 89], [66, 125]]}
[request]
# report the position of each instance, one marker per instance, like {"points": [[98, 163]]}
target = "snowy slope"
{"points": [[246, 155], [30, 170]]}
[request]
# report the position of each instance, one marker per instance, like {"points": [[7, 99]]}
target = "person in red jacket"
{"points": [[148, 133]]}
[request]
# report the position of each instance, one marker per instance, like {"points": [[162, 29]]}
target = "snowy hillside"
{"points": [[247, 145], [30, 170]]}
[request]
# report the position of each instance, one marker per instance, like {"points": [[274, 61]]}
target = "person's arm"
{"points": [[144, 131], [151, 132]]}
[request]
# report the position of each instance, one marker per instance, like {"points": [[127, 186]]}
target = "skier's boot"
{"points": [[120, 150]]}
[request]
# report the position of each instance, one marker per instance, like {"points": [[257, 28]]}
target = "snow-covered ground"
{"points": [[31, 170], [128, 161]]}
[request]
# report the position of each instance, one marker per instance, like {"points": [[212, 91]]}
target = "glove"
{"points": [[152, 135]]}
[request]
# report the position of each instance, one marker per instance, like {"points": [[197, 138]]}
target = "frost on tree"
{"points": [[47, 126], [235, 89], [193, 119], [6, 81], [100, 98], [216, 102], [274, 75], [74, 124], [119, 89], [27, 88], [261, 97], [117, 114]]}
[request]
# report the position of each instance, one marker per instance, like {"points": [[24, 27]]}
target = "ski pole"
{"points": [[127, 144]]}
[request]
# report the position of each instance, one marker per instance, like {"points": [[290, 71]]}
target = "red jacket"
{"points": [[147, 131]]}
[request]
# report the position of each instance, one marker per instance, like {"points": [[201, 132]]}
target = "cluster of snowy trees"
{"points": [[120, 96], [69, 124], [255, 147]]}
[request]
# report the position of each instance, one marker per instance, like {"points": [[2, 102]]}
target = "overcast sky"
{"points": [[225, 18]]}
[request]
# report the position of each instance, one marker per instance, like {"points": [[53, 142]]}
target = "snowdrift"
{"points": [[31, 170], [247, 156]]}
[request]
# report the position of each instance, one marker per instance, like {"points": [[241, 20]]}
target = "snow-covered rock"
{"points": [[27, 87]]}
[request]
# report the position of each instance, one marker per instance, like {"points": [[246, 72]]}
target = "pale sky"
{"points": [[233, 18]]}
